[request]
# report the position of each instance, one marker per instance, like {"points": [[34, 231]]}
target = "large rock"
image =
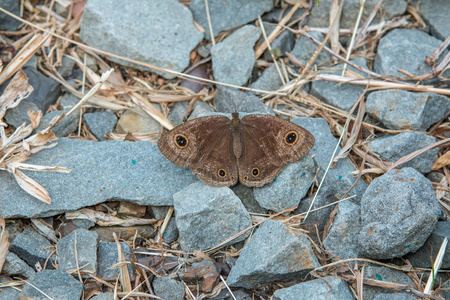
{"points": [[138, 35], [436, 13]]}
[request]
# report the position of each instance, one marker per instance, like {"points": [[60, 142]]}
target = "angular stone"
{"points": [[46, 90], [69, 125], [15, 266], [436, 13], [18, 115], [229, 100], [283, 43], [384, 274], [304, 49], [206, 216], [268, 81], [8, 293], [168, 288], [398, 213], [8, 23], [107, 257], [274, 253], [137, 121], [137, 172], [100, 123], [138, 34], [104, 296], [85, 254], [233, 59]]}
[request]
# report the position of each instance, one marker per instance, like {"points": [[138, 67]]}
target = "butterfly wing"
{"points": [[205, 145], [268, 143]]}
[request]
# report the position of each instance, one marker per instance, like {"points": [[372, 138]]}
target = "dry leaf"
{"points": [[442, 161], [103, 219], [17, 90], [4, 244], [30, 186]]}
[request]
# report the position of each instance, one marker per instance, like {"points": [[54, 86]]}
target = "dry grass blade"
{"points": [[103, 219], [151, 110], [30, 185], [124, 275], [436, 266], [45, 228], [17, 90], [4, 244], [442, 161], [335, 14], [23, 56]]}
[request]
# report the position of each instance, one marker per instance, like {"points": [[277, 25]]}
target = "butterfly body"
{"points": [[220, 151]]}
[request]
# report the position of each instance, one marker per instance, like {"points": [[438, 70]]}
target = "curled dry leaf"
{"points": [[30, 186], [4, 244], [442, 161], [103, 219], [17, 90]]}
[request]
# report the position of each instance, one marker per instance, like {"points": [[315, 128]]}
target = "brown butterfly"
{"points": [[220, 151]]}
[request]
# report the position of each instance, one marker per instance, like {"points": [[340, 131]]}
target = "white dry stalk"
{"points": [[437, 264], [103, 219]]}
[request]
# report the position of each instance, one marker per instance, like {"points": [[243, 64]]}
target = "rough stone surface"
{"points": [[137, 172], [404, 49], [340, 95], [199, 109], [46, 90], [247, 198], [394, 297], [339, 178], [320, 14], [69, 125], [398, 213], [233, 59], [304, 49], [32, 247], [104, 296], [107, 256], [206, 216], [342, 238], [8, 23], [226, 15], [138, 35], [392, 148], [228, 100], [67, 66], [283, 43], [15, 266], [398, 109], [171, 233], [56, 284], [330, 288], [168, 288], [85, 255], [384, 274], [274, 253], [268, 81], [290, 186], [426, 255], [18, 115], [8, 293], [100, 123], [435, 13], [137, 121]]}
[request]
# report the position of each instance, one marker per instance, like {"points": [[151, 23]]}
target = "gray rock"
{"points": [[340, 95], [384, 274], [85, 254], [135, 172], [31, 63], [8, 23], [274, 253], [398, 109], [320, 14], [171, 233], [100, 123], [398, 213], [426, 255], [290, 186], [304, 49], [436, 13], [8, 293], [32, 247], [330, 288], [138, 35], [342, 238], [207, 215], [46, 90], [392, 148], [67, 65], [283, 43], [18, 115], [394, 297], [229, 100], [137, 121], [15, 266], [83, 223], [275, 15], [104, 296], [168, 288], [68, 101], [69, 125], [268, 81], [107, 257], [226, 15], [233, 59], [444, 290], [160, 212], [178, 112], [54, 283], [339, 178], [200, 108], [247, 198], [404, 49]]}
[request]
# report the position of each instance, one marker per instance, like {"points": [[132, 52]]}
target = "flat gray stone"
{"points": [[168, 288], [46, 90], [274, 253], [304, 49], [330, 288], [337, 94], [435, 13], [138, 34], [268, 81], [229, 100], [135, 172], [100, 123], [18, 115], [398, 213], [8, 23], [8, 293], [32, 247], [107, 257], [398, 109], [342, 238], [226, 15], [85, 254], [56, 284], [15, 266], [405, 49], [320, 14], [233, 58], [207, 215], [392, 148], [290, 186], [384, 274]]}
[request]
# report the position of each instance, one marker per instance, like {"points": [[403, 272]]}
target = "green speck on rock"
{"points": [[133, 161]]}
